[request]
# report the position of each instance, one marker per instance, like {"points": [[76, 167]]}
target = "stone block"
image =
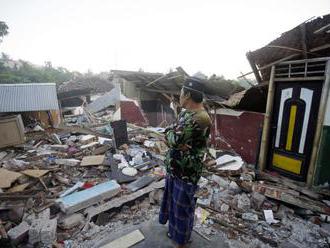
{"points": [[48, 232], [19, 233]]}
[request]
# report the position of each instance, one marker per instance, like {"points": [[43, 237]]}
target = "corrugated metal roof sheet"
{"points": [[28, 97]]}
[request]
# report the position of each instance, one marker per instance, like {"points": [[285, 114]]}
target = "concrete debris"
{"points": [[55, 190], [250, 217], [71, 221], [19, 233], [243, 202], [220, 181], [224, 207], [129, 171], [257, 200], [83, 199]]}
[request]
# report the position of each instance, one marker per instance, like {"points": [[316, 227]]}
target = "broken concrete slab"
{"points": [[92, 160], [83, 199], [48, 232], [126, 241], [19, 233]]}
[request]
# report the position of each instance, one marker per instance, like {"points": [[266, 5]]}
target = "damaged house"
{"points": [[26, 105], [296, 70]]}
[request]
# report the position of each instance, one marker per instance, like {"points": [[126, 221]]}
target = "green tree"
{"points": [[3, 30]]}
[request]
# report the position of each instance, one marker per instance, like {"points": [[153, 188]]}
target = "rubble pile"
{"points": [[61, 180], [70, 187], [258, 207]]}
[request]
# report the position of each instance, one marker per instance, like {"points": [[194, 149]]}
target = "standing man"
{"points": [[187, 141]]}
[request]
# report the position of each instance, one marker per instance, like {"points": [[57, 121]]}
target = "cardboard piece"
{"points": [[92, 160], [7, 178], [126, 241], [35, 173]]}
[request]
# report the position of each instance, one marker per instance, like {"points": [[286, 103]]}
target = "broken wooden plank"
{"points": [[7, 177], [18, 188], [35, 173], [283, 195], [126, 241], [92, 160], [118, 202]]}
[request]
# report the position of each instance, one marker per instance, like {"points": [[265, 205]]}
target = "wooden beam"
{"points": [[319, 125], [254, 68], [303, 39], [271, 64], [322, 28], [320, 48], [162, 91]]}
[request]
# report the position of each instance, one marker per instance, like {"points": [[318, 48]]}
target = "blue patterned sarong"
{"points": [[178, 207]]}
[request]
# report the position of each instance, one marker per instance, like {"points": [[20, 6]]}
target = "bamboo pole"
{"points": [[267, 122], [319, 125]]}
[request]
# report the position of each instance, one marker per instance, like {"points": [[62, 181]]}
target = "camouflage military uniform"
{"points": [[187, 141]]}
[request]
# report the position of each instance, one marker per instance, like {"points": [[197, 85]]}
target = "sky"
{"points": [[210, 36]]}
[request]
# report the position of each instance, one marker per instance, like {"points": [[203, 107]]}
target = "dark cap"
{"points": [[194, 84]]}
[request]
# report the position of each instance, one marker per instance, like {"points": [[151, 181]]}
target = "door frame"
{"points": [[264, 148]]}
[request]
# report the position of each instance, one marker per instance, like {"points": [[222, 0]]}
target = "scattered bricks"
{"points": [[48, 232], [243, 202], [71, 221], [19, 233], [257, 200]]}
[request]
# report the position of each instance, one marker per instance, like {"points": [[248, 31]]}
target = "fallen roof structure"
{"points": [[311, 39]]}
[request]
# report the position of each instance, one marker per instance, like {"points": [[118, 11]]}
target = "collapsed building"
{"points": [[96, 181]]}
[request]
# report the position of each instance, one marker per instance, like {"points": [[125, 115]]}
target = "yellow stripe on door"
{"points": [[292, 121], [286, 163]]}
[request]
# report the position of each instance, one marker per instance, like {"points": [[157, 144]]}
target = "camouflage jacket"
{"points": [[187, 141]]}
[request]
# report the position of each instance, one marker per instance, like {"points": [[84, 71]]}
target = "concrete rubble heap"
{"points": [[70, 187]]}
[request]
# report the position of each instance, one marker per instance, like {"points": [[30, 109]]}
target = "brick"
{"points": [[19, 233]]}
